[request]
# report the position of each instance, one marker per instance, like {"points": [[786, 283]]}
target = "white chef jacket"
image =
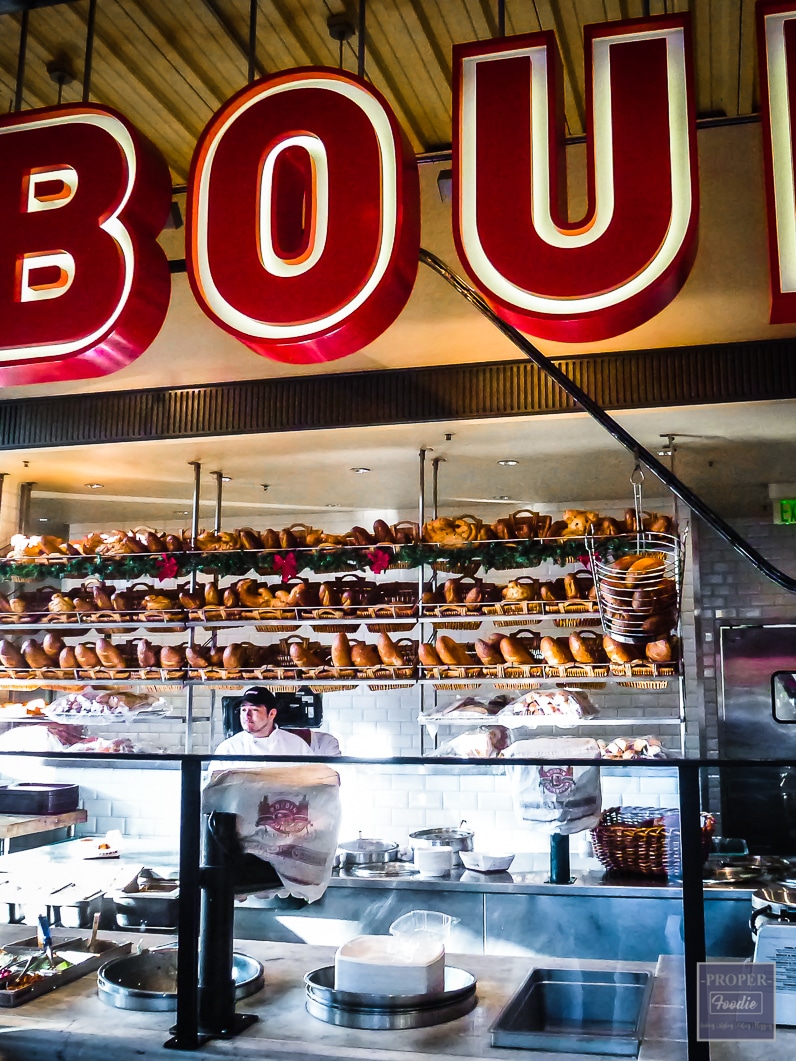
{"points": [[277, 743]]}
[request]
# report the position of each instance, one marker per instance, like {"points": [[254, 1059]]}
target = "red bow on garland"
{"points": [[166, 567], [286, 565], [379, 560]]}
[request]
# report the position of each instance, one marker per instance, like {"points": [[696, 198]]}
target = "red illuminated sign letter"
{"points": [[303, 216], [776, 41], [84, 287], [631, 252]]}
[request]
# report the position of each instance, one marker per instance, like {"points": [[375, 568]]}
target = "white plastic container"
{"points": [[434, 861], [390, 965], [429, 924], [487, 861]]}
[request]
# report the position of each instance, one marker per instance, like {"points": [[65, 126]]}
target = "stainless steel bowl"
{"points": [[148, 981], [458, 839], [366, 852]]}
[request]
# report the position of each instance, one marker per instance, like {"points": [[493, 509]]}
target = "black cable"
{"points": [[613, 427]]}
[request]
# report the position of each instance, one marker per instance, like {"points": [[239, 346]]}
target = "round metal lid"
{"points": [[442, 834], [363, 844], [780, 897]]}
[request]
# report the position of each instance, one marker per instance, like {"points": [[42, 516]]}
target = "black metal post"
{"points": [[89, 60], [559, 859], [615, 429], [361, 39], [186, 1031], [501, 17], [21, 58], [252, 40], [693, 901], [216, 999]]}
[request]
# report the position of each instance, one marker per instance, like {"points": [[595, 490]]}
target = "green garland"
{"points": [[494, 555]]}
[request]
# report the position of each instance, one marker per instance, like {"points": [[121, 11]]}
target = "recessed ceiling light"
{"points": [[94, 486], [360, 471], [42, 519], [226, 478], [332, 506], [508, 463], [503, 497]]}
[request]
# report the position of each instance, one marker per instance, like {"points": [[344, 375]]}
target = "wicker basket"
{"points": [[644, 840]]}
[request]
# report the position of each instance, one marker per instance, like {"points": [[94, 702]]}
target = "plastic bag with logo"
{"points": [[288, 816], [556, 799]]}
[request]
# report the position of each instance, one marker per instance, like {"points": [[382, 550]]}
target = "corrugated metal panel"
{"points": [[697, 375]]}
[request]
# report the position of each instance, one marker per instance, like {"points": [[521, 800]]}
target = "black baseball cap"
{"points": [[258, 696]]}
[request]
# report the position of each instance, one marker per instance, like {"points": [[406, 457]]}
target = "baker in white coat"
{"points": [[261, 735]]}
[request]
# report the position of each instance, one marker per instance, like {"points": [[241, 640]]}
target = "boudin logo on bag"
{"points": [[557, 780], [303, 212], [284, 816]]}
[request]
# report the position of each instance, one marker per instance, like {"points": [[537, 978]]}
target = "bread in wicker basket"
{"points": [[643, 840]]}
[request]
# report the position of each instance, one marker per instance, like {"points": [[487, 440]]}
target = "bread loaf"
{"points": [[109, 655], [52, 645], [619, 652], [67, 660], [489, 655], [388, 651], [585, 646], [196, 657], [451, 652], [363, 655], [555, 651], [661, 651], [341, 651], [147, 654], [34, 654], [172, 657], [513, 651], [429, 656], [86, 656], [304, 657]]}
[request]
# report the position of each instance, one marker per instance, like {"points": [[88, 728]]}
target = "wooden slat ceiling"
{"points": [[169, 65]]}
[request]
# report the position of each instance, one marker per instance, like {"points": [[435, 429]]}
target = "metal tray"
{"points": [[148, 981], [576, 1011], [74, 950], [349, 1009]]}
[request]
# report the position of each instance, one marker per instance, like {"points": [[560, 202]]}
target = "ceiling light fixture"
{"points": [[332, 506], [226, 478], [502, 497], [508, 463], [43, 519], [360, 471], [94, 486]]}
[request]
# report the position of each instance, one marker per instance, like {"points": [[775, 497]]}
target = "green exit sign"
{"points": [[787, 510]]}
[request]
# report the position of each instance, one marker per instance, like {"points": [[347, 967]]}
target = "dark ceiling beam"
{"points": [[440, 54], [228, 28], [488, 11]]}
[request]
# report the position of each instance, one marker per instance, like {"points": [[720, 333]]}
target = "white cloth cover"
{"points": [[288, 816], [556, 799]]}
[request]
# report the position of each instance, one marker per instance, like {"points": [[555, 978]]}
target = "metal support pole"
{"points": [[219, 478], [21, 58], [559, 859], [23, 518], [252, 40], [89, 60], [435, 485], [197, 486], [612, 426], [501, 17], [421, 518], [693, 902], [185, 1033], [361, 39], [2, 483]]}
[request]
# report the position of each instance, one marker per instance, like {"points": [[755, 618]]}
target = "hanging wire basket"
{"points": [[639, 593]]}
